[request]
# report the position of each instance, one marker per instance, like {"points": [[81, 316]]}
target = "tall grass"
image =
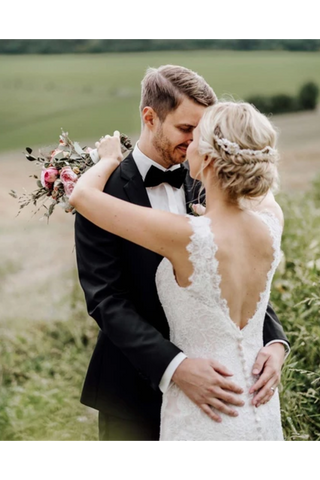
{"points": [[296, 297], [41, 374], [42, 368]]}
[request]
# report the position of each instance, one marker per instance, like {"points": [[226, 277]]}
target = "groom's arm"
{"points": [[272, 329], [108, 301]]}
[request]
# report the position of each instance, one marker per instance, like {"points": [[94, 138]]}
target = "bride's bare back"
{"points": [[245, 254]]}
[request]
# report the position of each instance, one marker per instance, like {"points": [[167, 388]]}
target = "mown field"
{"points": [[94, 94], [46, 336]]}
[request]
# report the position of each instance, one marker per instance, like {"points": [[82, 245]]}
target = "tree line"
{"points": [[306, 99], [45, 46]]}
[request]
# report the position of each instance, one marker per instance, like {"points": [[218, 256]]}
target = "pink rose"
{"points": [[68, 175], [68, 178], [68, 188], [49, 176]]}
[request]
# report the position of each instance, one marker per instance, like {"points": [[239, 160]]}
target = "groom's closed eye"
{"points": [[186, 128]]}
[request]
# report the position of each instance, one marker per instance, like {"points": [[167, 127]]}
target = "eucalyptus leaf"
{"points": [[51, 208], [77, 148], [58, 156]]}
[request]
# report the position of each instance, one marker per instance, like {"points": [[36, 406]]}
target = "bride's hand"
{"points": [[109, 147]]}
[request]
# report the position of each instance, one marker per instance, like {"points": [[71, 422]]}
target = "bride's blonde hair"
{"points": [[241, 143]]}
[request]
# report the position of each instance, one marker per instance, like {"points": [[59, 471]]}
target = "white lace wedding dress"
{"points": [[201, 326]]}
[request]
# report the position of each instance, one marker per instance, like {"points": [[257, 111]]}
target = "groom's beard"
{"points": [[169, 154]]}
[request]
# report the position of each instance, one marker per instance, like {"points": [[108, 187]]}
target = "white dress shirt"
{"points": [[171, 199]]}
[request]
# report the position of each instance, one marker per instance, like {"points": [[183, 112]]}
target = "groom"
{"points": [[134, 361]]}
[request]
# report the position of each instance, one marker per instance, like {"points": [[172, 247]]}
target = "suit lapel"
{"points": [[134, 186], [192, 188]]}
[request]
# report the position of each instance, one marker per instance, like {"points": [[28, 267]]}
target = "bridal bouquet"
{"points": [[60, 170]]}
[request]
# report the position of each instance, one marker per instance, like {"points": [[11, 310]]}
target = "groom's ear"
{"points": [[149, 117]]}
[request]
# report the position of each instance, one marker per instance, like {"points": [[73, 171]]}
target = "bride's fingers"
{"points": [[97, 144], [116, 133]]}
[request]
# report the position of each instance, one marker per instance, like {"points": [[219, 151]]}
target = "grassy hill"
{"points": [[89, 95]]}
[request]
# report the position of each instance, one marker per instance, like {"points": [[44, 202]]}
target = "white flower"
{"points": [[94, 155], [198, 209]]}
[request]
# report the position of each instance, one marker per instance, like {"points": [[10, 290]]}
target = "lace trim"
{"points": [[203, 249], [275, 229], [204, 281]]}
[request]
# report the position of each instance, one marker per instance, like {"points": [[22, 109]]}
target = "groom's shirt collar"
{"points": [[144, 163]]}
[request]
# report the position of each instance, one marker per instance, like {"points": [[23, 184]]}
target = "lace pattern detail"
{"points": [[205, 281], [200, 325]]}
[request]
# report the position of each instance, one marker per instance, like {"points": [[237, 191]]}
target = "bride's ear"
{"points": [[208, 161]]}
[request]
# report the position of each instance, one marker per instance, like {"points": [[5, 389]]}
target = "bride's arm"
{"points": [[156, 230]]}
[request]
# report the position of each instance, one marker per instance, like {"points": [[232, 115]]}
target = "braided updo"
{"points": [[241, 141]]}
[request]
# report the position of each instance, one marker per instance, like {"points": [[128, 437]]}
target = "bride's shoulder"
{"points": [[266, 205], [277, 212], [273, 214]]}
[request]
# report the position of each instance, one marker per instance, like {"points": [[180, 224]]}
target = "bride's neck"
{"points": [[216, 198]]}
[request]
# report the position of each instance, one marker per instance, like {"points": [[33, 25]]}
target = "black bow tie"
{"points": [[155, 176]]}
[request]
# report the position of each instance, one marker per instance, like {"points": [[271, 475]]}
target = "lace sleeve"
{"points": [[202, 251], [275, 229]]}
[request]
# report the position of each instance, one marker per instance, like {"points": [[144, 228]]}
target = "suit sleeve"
{"points": [[108, 301], [272, 329]]}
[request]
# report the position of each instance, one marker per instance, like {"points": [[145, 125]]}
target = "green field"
{"points": [[90, 95]]}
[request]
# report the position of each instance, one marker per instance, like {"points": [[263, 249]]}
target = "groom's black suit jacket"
{"points": [[118, 279]]}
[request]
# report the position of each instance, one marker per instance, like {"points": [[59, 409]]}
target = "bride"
{"points": [[214, 282]]}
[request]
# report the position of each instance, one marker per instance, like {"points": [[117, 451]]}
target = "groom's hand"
{"points": [[268, 366], [205, 383]]}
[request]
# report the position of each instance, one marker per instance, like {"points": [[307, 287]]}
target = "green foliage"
{"points": [[308, 96], [41, 374], [133, 45], [296, 299], [283, 103]]}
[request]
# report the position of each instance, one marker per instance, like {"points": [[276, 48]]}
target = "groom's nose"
{"points": [[189, 140]]}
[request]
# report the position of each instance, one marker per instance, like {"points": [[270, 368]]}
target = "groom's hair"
{"points": [[164, 88]]}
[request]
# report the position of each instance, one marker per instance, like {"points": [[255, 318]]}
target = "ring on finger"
{"points": [[273, 389]]}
